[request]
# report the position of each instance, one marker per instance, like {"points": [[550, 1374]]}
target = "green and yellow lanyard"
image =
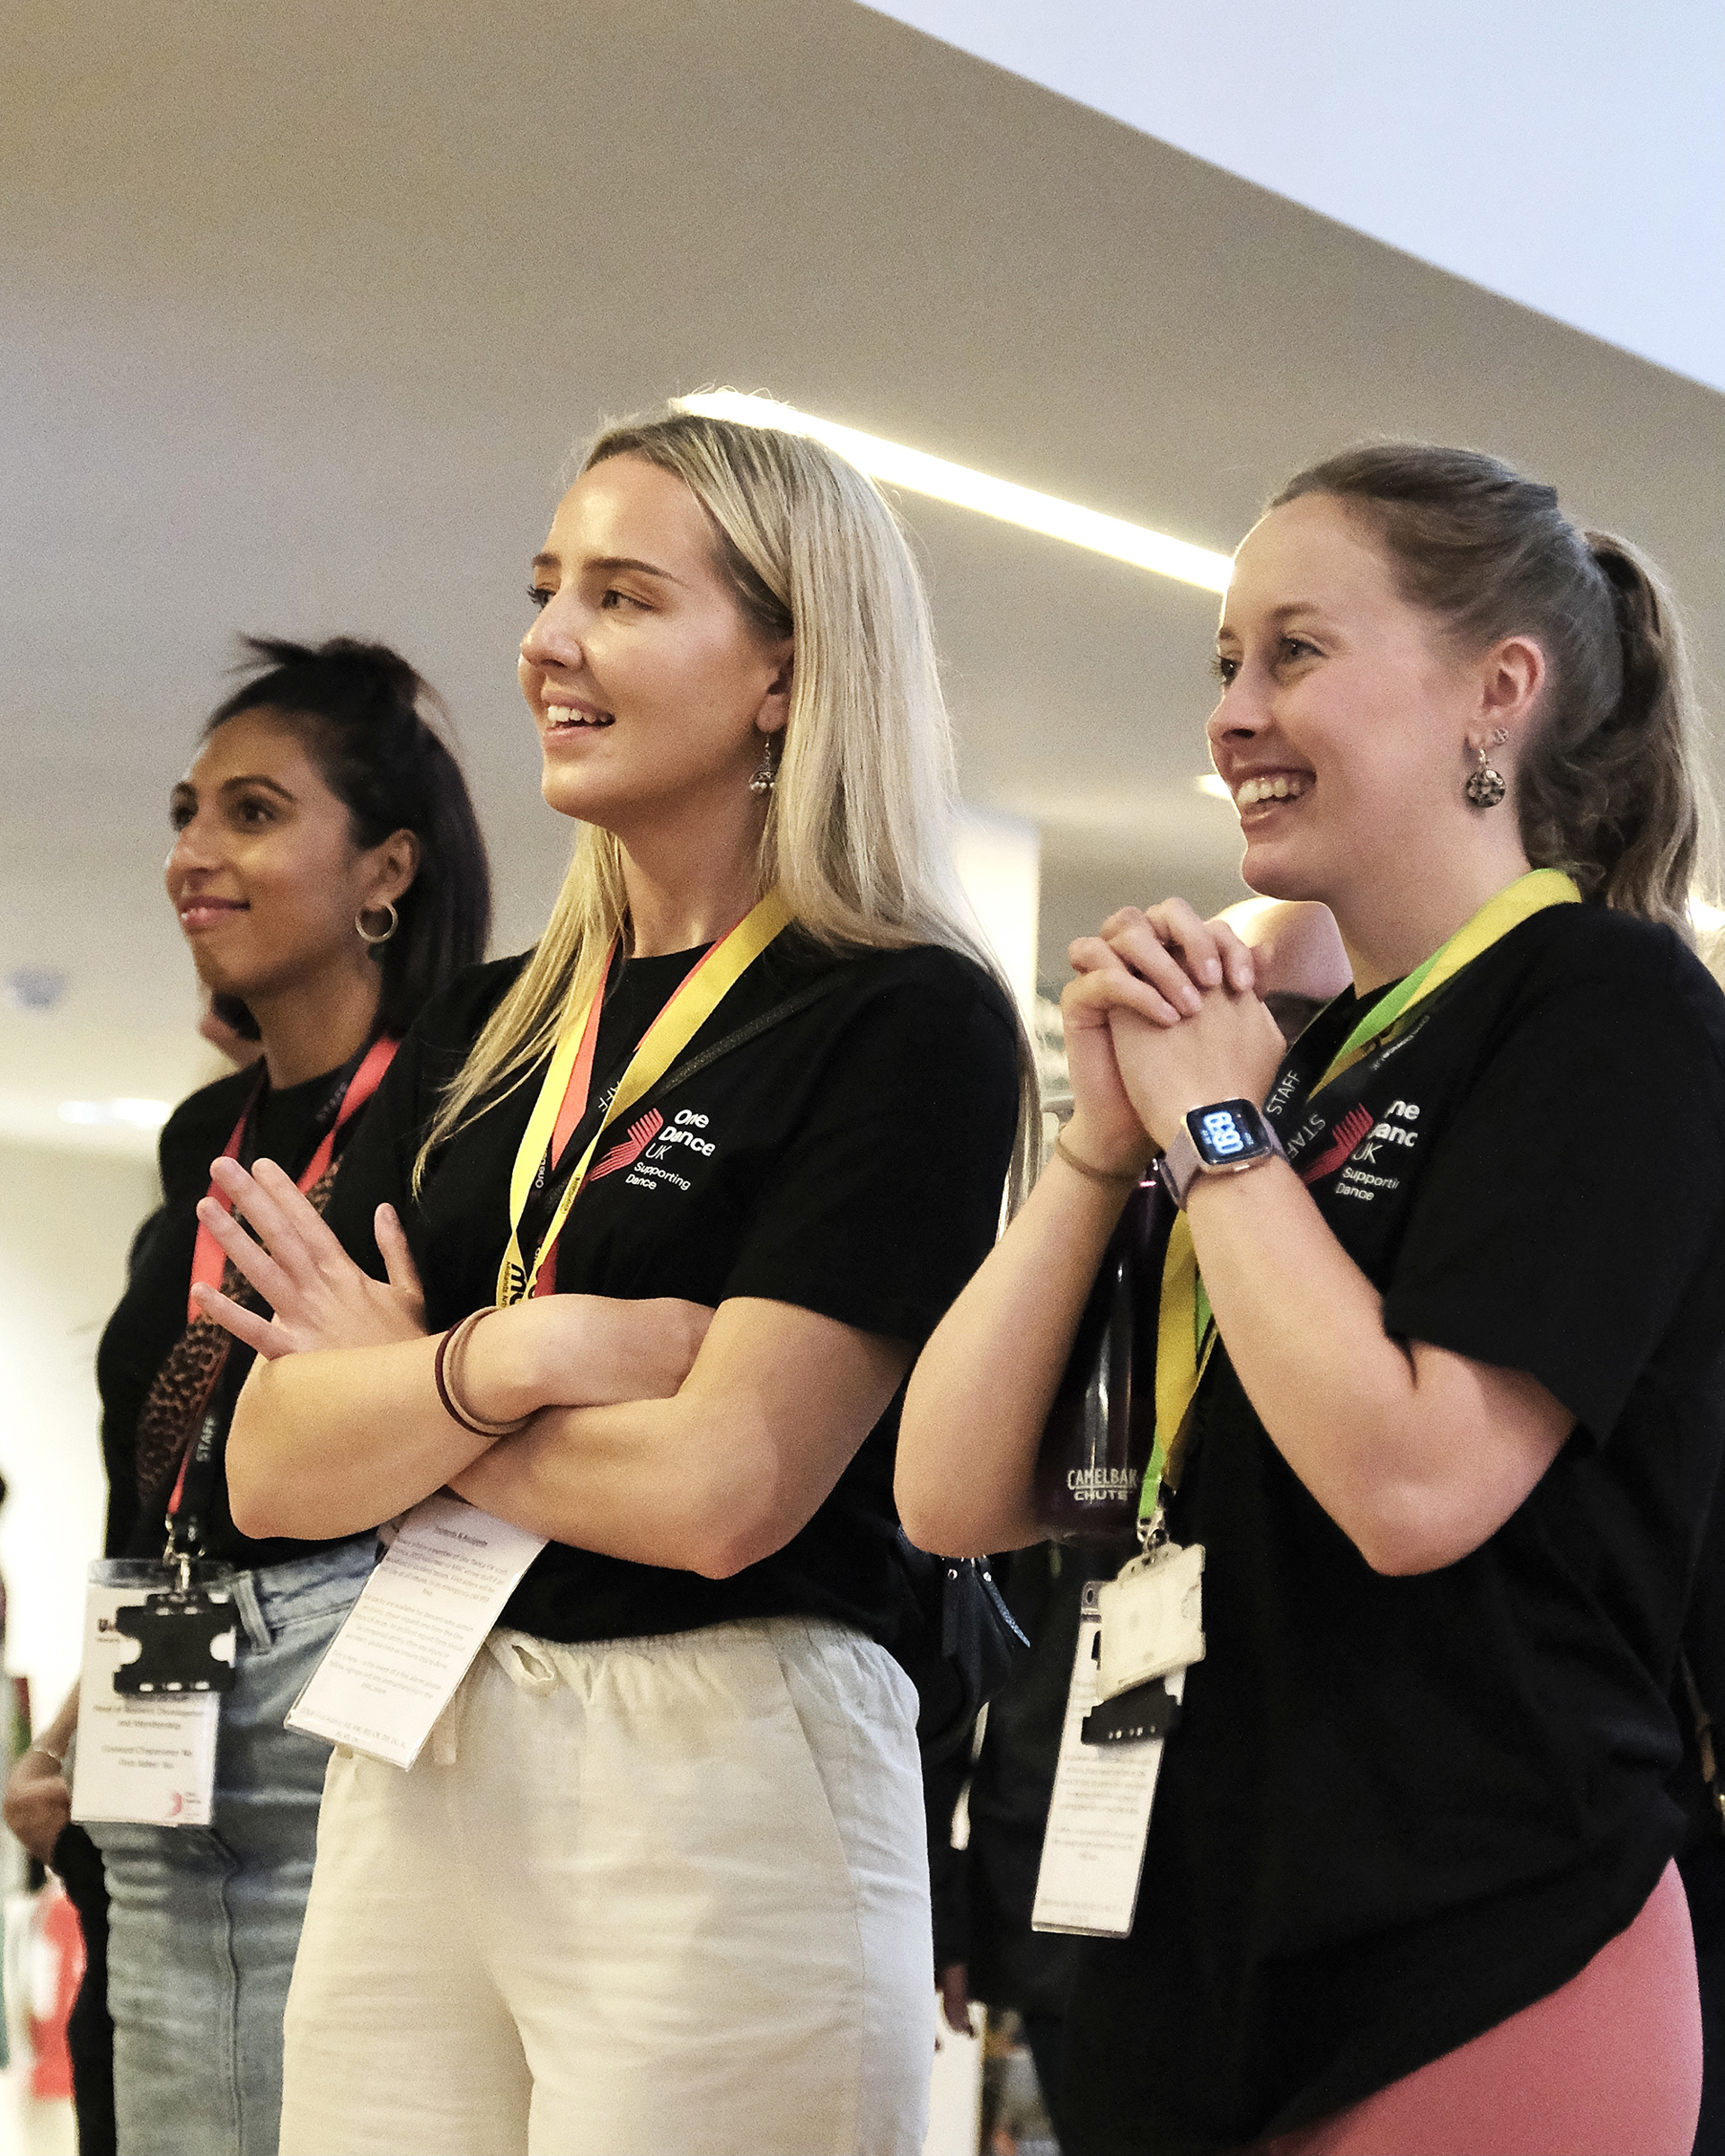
{"points": [[1185, 1327]]}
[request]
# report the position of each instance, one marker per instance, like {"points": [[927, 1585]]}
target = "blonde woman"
{"points": [[670, 1893]]}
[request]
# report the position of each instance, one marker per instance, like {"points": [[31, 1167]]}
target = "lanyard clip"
{"points": [[1153, 1532], [179, 1560]]}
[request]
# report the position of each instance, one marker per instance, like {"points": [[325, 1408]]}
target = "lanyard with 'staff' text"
{"points": [[1185, 1329]]}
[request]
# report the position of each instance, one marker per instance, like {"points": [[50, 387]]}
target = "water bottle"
{"points": [[1096, 1442]]}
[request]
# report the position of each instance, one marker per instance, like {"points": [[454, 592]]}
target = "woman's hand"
{"points": [[1173, 953], [1158, 966], [320, 1296], [581, 1351], [1228, 1051], [38, 1803]]}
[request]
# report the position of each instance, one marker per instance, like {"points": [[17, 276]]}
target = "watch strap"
{"points": [[1182, 1163]]}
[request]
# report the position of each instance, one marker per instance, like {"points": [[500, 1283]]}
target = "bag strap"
{"points": [[753, 1029], [1703, 1738]]}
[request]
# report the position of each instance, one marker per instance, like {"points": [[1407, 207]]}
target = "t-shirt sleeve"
{"points": [[1574, 1195], [888, 1197]]}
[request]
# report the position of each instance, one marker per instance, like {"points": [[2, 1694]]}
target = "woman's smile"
{"points": [[1264, 791], [200, 911], [566, 715]]}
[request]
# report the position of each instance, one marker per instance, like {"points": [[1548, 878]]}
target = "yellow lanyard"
{"points": [[1185, 1329], [702, 992]]}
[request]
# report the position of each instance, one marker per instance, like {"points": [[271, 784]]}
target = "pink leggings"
{"points": [[1610, 2066]]}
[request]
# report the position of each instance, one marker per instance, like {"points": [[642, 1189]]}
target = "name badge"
{"points": [[412, 1637], [1099, 1817], [1152, 1618], [156, 1659]]}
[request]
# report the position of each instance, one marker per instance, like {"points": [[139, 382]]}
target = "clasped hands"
{"points": [[1164, 1017], [549, 1351]]}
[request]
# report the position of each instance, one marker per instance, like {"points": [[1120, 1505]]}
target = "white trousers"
{"points": [[651, 1898]]}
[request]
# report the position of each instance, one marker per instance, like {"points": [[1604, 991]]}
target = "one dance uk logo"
{"points": [[1355, 1145], [1353, 1127], [643, 1131]]}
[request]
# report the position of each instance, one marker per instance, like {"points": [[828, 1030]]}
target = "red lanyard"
{"points": [[580, 1079], [206, 1259], [573, 1108]]}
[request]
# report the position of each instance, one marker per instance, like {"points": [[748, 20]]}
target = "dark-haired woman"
{"points": [[328, 874], [1449, 1405]]}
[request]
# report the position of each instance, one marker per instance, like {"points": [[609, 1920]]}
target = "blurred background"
{"points": [[304, 306]]}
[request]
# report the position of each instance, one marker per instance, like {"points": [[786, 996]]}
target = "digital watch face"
{"points": [[1230, 1132]]}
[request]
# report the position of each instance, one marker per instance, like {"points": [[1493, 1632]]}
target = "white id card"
{"points": [[1152, 1618], [147, 1761], [1099, 1818], [413, 1635]]}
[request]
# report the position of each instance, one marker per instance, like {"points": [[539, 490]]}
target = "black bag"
{"points": [[965, 1647]]}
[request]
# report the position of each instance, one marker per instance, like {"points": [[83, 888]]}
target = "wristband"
{"points": [[1096, 1175], [446, 1371]]}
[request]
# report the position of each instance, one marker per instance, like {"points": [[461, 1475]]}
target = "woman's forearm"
{"points": [[1417, 1454], [982, 1388], [721, 1474], [580, 1475], [331, 1442]]}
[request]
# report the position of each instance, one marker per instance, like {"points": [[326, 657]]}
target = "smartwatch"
{"points": [[1226, 1138]]}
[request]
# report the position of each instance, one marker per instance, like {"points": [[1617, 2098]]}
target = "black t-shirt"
{"points": [[848, 1159], [1397, 1810], [150, 1315]]}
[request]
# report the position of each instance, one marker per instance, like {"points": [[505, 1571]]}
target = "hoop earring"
{"points": [[766, 771], [365, 935], [1486, 787]]}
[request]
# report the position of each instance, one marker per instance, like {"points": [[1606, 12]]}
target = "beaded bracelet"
{"points": [[447, 1370]]}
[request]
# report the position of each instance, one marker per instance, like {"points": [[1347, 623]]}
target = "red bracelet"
{"points": [[446, 1370]]}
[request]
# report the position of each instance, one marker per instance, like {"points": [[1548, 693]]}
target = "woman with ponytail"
{"points": [[1439, 1379], [329, 875], [685, 1186]]}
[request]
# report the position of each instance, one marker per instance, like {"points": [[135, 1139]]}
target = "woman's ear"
{"points": [[775, 706], [395, 863], [1512, 679]]}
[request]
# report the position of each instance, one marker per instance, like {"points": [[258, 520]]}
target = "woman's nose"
{"points": [[192, 847], [554, 638], [1239, 715]]}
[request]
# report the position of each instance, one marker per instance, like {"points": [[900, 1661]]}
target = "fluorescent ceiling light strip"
{"points": [[897, 466], [139, 1115]]}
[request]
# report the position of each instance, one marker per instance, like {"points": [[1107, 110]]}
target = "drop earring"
{"points": [[1485, 787], [766, 771]]}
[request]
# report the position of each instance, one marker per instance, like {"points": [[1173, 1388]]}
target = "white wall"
{"points": [[66, 1221], [999, 862]]}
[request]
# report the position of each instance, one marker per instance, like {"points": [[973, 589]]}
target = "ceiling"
{"points": [[1580, 171], [301, 307]]}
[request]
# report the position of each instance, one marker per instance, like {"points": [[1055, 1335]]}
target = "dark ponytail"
{"points": [[1606, 786], [357, 709]]}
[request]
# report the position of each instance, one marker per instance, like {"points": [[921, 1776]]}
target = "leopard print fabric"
{"points": [[178, 1400]]}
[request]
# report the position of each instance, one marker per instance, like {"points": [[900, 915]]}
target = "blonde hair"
{"points": [[859, 826]]}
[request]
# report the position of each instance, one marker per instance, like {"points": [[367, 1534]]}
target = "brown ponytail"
{"points": [[1607, 787]]}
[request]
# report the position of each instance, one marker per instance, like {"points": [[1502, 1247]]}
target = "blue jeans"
{"points": [[204, 1922]]}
